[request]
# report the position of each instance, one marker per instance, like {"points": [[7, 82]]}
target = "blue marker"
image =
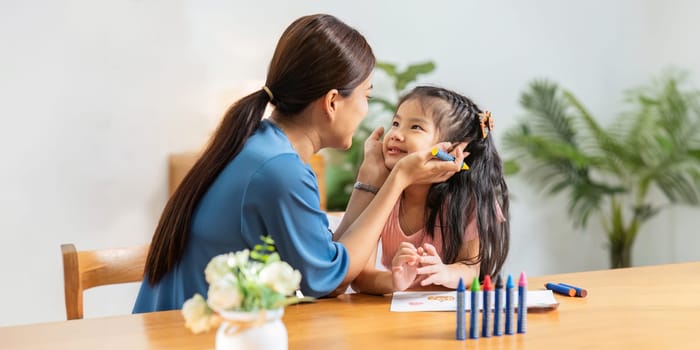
{"points": [[446, 156], [461, 312], [509, 305], [486, 315], [474, 310], [522, 303], [498, 307]]}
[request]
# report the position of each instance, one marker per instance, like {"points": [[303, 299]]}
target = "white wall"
{"points": [[95, 94]]}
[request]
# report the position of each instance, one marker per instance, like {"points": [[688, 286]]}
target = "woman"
{"points": [[254, 178]]}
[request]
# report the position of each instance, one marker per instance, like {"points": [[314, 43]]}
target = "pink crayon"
{"points": [[522, 303]]}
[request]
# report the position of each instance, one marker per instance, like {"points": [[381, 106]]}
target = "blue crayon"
{"points": [[486, 313], [560, 289], [474, 310], [510, 309], [522, 303], [461, 312], [446, 156], [580, 292], [498, 307]]}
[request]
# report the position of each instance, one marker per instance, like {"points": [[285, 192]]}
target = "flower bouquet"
{"points": [[247, 291]]}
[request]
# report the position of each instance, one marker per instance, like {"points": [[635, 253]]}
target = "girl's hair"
{"points": [[315, 54], [453, 203]]}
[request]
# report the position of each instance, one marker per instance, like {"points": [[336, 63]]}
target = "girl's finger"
{"points": [[430, 269], [430, 249], [430, 260]]}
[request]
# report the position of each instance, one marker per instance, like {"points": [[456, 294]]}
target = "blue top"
{"points": [[265, 190]]}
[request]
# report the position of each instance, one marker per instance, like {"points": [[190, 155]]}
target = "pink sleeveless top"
{"points": [[393, 235]]}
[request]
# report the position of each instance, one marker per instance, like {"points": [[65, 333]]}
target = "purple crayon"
{"points": [[498, 307], [522, 303], [474, 310], [510, 309]]}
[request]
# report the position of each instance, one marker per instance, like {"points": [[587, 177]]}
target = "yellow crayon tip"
{"points": [[434, 151], [465, 166]]}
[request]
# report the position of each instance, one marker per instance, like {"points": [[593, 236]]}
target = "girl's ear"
{"points": [[331, 101]]}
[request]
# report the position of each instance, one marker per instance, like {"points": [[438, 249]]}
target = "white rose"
{"points": [[221, 265], [239, 258], [217, 268], [280, 277], [197, 314], [224, 295]]}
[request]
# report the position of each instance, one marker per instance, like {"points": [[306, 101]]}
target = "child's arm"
{"points": [[403, 272], [373, 281], [449, 275]]}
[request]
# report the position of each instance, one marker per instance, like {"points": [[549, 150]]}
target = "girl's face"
{"points": [[411, 130]]}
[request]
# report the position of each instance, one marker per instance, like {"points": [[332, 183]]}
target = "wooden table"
{"points": [[655, 307]]}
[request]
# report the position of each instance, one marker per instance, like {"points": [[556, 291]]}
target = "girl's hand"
{"points": [[422, 168], [432, 266], [373, 170], [404, 266]]}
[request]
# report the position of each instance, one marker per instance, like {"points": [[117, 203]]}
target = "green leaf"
{"points": [[695, 153], [386, 104], [510, 167], [411, 74], [388, 68], [292, 300]]}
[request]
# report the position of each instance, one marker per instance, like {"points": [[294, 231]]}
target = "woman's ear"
{"points": [[331, 102]]}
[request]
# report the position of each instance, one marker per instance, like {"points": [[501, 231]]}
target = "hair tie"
{"points": [[486, 122], [268, 92]]}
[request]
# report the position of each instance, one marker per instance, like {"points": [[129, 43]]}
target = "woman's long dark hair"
{"points": [[315, 54], [468, 195]]}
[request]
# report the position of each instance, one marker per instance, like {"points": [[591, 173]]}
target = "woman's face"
{"points": [[351, 112], [411, 130]]}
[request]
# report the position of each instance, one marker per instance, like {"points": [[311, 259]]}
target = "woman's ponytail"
{"points": [[170, 238]]}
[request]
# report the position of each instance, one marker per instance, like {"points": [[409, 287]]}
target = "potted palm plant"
{"points": [[623, 173]]}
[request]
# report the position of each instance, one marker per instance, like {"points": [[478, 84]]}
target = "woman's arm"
{"points": [[373, 172]]}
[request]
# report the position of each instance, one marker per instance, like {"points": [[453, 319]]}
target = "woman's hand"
{"points": [[422, 168], [404, 266], [373, 170], [431, 265]]}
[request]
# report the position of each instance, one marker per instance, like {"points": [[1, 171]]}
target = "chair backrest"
{"points": [[91, 268], [179, 165]]}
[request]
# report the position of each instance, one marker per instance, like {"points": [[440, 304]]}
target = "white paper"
{"points": [[447, 301]]}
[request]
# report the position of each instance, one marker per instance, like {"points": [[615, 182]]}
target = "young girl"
{"points": [[439, 233]]}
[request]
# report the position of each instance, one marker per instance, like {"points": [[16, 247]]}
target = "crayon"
{"points": [[559, 289], [446, 156], [522, 303], [510, 309], [473, 317], [580, 292], [498, 306], [461, 333], [486, 313]]}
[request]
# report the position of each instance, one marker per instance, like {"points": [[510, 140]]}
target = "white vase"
{"points": [[252, 330]]}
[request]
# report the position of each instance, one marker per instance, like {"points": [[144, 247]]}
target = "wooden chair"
{"points": [[180, 163], [86, 269]]}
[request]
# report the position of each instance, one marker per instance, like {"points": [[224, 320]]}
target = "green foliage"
{"points": [[342, 168], [608, 171], [265, 252]]}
